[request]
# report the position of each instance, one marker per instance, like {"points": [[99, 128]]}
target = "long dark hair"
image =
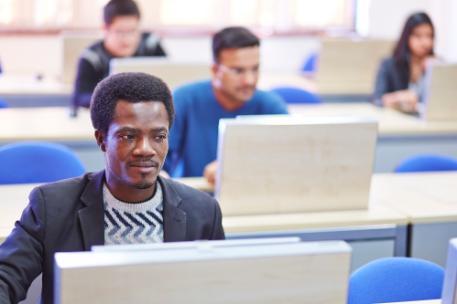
{"points": [[402, 53]]}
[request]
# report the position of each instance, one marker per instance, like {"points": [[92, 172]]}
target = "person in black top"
{"points": [[122, 38]]}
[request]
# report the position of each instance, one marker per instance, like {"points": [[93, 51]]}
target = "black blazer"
{"points": [[390, 78], [69, 216]]}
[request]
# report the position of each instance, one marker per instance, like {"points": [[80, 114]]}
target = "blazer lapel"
{"points": [[174, 218], [91, 217]]}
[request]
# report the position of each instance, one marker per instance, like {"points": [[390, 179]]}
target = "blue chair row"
{"points": [[37, 162]]}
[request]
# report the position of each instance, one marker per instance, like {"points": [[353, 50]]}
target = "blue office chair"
{"points": [[310, 64], [395, 279], [296, 95], [427, 162], [37, 162], [3, 104]]}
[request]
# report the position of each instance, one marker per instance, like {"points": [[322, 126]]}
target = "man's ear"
{"points": [[216, 75], [100, 137]]}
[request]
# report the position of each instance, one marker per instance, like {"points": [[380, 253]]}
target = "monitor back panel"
{"points": [[441, 104], [296, 273], [304, 166], [348, 66]]}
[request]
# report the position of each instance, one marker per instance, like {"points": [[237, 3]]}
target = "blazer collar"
{"points": [[91, 216], [174, 218]]}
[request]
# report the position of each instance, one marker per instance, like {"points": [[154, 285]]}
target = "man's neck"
{"points": [[130, 195], [227, 103]]}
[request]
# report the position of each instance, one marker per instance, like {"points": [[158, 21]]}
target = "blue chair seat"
{"points": [[395, 280], [427, 162], [37, 162], [294, 95]]}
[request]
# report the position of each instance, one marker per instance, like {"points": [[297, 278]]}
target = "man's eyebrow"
{"points": [[126, 129]]}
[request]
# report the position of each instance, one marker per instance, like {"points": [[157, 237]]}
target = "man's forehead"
{"points": [[245, 54]]}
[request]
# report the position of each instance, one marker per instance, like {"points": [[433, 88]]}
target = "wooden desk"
{"points": [[429, 201], [29, 91], [55, 125], [400, 135], [384, 228]]}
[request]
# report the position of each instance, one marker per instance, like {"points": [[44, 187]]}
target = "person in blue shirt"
{"points": [[231, 92]]}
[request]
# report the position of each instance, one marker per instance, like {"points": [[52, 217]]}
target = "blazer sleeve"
{"points": [[218, 231], [21, 254]]}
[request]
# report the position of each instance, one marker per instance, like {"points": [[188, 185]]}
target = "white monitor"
{"points": [[290, 164], [293, 273], [441, 102], [450, 280], [348, 66], [196, 244], [173, 73]]}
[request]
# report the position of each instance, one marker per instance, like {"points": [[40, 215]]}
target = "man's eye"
{"points": [[127, 137], [161, 138]]}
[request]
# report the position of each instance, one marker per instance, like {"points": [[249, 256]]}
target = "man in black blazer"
{"points": [[128, 202]]}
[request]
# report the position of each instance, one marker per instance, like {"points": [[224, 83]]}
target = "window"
{"points": [[268, 15]]}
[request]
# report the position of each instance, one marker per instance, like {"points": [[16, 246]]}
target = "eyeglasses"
{"points": [[238, 72], [125, 33]]}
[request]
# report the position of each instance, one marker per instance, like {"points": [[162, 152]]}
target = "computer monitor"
{"points": [[291, 164], [441, 102], [348, 66], [293, 273], [450, 280], [173, 73], [196, 244]]}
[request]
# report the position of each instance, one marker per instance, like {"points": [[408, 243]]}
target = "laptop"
{"points": [[441, 102], [173, 73], [292, 164]]}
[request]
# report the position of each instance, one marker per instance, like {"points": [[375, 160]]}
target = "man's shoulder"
{"points": [[270, 102], [95, 54], [197, 87], [187, 193], [192, 92], [66, 188]]}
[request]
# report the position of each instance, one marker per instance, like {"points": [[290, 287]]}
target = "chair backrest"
{"points": [[3, 104], [37, 162], [310, 64], [395, 280], [427, 162], [296, 95]]}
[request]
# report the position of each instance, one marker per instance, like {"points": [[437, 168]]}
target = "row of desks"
{"points": [[396, 203], [400, 136]]}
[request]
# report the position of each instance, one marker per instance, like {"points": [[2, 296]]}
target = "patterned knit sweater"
{"points": [[133, 223]]}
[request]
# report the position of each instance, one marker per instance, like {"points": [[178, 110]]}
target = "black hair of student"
{"points": [[116, 8], [402, 53], [131, 87], [233, 37]]}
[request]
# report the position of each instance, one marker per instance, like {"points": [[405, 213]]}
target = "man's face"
{"points": [[236, 73], [135, 146], [122, 36]]}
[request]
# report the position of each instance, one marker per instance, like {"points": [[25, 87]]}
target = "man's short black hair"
{"points": [[131, 87], [116, 8], [233, 37]]}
